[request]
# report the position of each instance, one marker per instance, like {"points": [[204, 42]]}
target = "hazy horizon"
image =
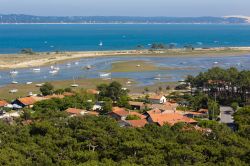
{"points": [[140, 8]]}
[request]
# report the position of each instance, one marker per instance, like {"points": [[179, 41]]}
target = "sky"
{"points": [[170, 8]]}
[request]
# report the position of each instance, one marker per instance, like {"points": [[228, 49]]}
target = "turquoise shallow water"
{"points": [[80, 37]]}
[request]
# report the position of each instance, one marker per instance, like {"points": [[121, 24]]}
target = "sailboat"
{"points": [[100, 44], [13, 81], [53, 71], [28, 83], [74, 85], [105, 74], [158, 77], [37, 69], [14, 72]]}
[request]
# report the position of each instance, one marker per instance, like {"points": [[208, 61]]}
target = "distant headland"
{"points": [[30, 19]]}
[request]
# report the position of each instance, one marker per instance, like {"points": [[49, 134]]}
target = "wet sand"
{"points": [[14, 61]]}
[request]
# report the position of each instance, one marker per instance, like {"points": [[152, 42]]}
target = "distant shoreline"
{"points": [[126, 23], [15, 61]]}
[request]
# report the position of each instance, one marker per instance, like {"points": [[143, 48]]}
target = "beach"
{"points": [[15, 61]]}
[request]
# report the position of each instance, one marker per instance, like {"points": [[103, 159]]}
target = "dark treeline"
{"points": [[46, 135], [58, 140], [224, 85]]}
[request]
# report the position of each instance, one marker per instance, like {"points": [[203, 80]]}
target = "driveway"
{"points": [[226, 115]]}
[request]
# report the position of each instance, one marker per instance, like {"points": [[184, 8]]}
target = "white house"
{"points": [[157, 99]]}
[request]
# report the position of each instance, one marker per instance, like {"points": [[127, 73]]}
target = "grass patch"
{"points": [[23, 89], [133, 66], [139, 66]]}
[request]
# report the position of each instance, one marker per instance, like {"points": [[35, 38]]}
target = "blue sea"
{"points": [[86, 37]]}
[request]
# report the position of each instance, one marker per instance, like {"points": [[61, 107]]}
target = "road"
{"points": [[226, 115]]}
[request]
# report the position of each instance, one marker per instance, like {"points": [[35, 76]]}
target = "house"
{"points": [[118, 113], [136, 123], [203, 111], [157, 99], [75, 111], [3, 103], [121, 114], [168, 118], [24, 102], [97, 107], [192, 114], [135, 105], [164, 106], [137, 114], [93, 113]]}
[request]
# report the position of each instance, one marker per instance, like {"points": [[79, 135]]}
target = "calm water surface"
{"points": [[101, 64], [82, 37]]}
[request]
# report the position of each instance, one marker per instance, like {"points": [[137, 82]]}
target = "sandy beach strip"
{"points": [[11, 61]]}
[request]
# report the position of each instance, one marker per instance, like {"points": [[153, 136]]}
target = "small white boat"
{"points": [[39, 85], [56, 68], [14, 72], [105, 74], [28, 83], [76, 63], [216, 62], [100, 44], [13, 91], [129, 82], [36, 70], [138, 65], [14, 82], [68, 64], [88, 67], [158, 77], [53, 71], [74, 85]]}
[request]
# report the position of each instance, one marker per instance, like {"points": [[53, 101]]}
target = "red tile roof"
{"points": [[154, 111], [137, 123], [3, 103], [93, 91], [27, 100], [155, 97], [93, 113], [171, 119], [204, 111], [137, 114], [136, 103], [165, 106], [119, 111], [75, 111]]}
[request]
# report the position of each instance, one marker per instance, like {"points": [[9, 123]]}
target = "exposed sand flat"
{"points": [[10, 61]]}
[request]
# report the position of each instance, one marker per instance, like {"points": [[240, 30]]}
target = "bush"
{"points": [[235, 106], [133, 117], [27, 51], [47, 89]]}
